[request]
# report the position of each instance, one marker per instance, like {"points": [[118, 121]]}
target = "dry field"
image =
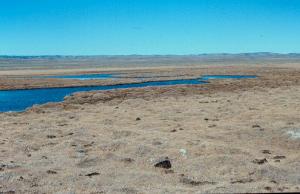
{"points": [[225, 136]]}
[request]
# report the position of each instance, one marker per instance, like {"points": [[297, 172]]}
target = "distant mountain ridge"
{"points": [[69, 61], [253, 54]]}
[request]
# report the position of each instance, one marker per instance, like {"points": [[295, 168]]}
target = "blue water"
{"points": [[208, 77], [82, 76], [109, 76], [19, 100]]}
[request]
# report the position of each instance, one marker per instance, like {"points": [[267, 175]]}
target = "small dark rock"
{"points": [[89, 145], [163, 163], [181, 129], [51, 136], [256, 126], [268, 188], [260, 161], [206, 119], [204, 102], [92, 174], [174, 130], [266, 151], [51, 172], [279, 157], [273, 181], [81, 151], [138, 119]]}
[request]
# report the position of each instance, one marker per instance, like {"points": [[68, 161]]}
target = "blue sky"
{"points": [[108, 27]]}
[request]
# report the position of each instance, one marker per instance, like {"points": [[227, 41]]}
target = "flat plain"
{"points": [[222, 137]]}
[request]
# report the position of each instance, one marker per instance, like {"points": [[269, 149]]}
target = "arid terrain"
{"points": [[222, 137]]}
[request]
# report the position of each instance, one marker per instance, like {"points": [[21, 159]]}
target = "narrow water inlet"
{"points": [[209, 77], [19, 100], [117, 76]]}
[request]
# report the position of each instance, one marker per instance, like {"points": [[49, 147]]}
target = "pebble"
{"points": [[260, 161], [268, 188], [279, 157], [163, 163], [51, 136], [51, 172], [266, 151], [92, 174], [256, 126]]}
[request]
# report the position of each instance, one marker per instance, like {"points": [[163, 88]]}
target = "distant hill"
{"points": [[60, 61]]}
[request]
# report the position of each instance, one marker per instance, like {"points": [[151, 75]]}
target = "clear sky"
{"points": [[108, 27]]}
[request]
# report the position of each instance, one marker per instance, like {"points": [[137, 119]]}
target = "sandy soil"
{"points": [[226, 136]]}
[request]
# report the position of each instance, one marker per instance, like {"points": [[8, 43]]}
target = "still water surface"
{"points": [[19, 100]]}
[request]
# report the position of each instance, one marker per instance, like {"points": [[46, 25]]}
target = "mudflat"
{"points": [[224, 136]]}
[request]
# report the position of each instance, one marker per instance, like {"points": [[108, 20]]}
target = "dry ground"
{"points": [[227, 136]]}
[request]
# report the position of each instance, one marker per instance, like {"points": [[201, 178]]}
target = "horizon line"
{"points": [[103, 55]]}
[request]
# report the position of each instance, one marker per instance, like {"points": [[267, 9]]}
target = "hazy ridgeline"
{"points": [[20, 62]]}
